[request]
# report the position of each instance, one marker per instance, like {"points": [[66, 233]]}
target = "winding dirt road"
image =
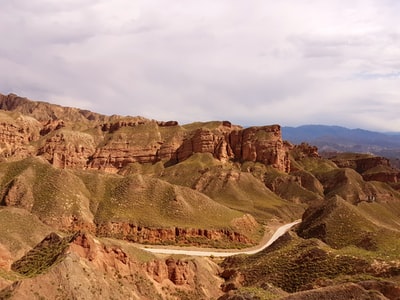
{"points": [[278, 233]]}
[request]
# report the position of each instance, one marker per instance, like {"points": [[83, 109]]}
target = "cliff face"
{"points": [[79, 139], [17, 132], [176, 235]]}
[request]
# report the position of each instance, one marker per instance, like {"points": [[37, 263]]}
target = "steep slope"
{"points": [[293, 264], [231, 185], [19, 231], [80, 266], [135, 207], [56, 196]]}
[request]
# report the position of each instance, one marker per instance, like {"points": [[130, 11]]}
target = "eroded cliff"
{"points": [[73, 138]]}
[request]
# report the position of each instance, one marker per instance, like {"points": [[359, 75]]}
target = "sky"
{"points": [[252, 62]]}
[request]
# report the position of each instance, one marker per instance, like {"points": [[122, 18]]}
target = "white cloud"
{"points": [[253, 62]]}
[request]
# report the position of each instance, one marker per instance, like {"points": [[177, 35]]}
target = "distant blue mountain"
{"points": [[341, 139]]}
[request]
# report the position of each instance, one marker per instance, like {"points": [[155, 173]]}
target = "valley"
{"points": [[95, 206]]}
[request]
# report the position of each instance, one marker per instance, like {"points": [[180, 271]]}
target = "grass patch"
{"points": [[239, 189], [46, 254], [20, 230], [146, 201], [293, 263]]}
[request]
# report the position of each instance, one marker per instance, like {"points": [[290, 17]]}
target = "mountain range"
{"points": [[331, 139], [341, 139], [80, 190]]}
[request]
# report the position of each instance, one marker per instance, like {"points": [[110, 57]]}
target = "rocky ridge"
{"points": [[111, 143]]}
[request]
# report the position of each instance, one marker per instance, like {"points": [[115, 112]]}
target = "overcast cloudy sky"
{"points": [[253, 62]]}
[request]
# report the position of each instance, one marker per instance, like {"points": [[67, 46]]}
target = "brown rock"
{"points": [[134, 233], [167, 123], [262, 144], [158, 270], [68, 149], [16, 134], [180, 272], [52, 125], [207, 141], [115, 142], [233, 280]]}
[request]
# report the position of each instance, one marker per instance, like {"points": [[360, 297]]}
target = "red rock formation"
{"points": [[68, 149], [140, 234], [114, 142], [16, 134], [204, 140], [131, 122], [158, 270], [178, 271], [258, 144], [264, 144], [51, 125]]}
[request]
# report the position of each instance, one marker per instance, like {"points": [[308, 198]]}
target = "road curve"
{"points": [[278, 233]]}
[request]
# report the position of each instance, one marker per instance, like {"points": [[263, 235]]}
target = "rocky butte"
{"points": [[79, 190]]}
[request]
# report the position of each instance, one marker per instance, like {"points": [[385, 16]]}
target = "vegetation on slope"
{"points": [[20, 230], [294, 264], [47, 253], [232, 186]]}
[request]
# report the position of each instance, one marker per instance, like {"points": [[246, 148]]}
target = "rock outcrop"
{"points": [[16, 135], [256, 144], [79, 139], [262, 144], [180, 272], [175, 235], [82, 266], [68, 149]]}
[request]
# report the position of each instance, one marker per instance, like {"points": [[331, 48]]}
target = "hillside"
{"points": [[79, 190]]}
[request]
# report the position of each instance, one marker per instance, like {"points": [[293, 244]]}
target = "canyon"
{"points": [[79, 190]]}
